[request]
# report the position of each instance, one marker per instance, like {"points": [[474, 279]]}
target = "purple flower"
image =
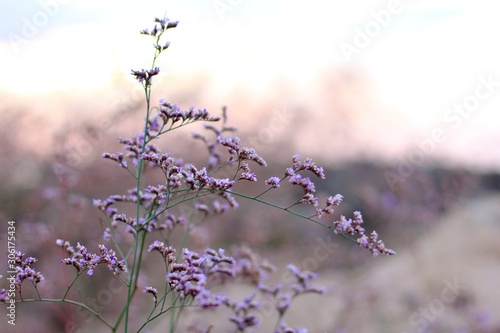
{"points": [[152, 291], [244, 321], [240, 153], [146, 76], [308, 164], [25, 271], [274, 182], [168, 252], [207, 300], [172, 112], [242, 317], [373, 244], [81, 259]]}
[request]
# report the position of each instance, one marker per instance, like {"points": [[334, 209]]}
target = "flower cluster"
{"points": [[163, 25], [82, 260], [331, 202], [187, 279], [218, 263], [283, 299], [274, 182], [353, 227], [295, 178], [190, 277], [167, 252], [136, 147], [145, 199], [303, 283], [25, 271], [237, 152], [373, 244], [242, 317], [172, 112], [214, 156], [217, 207], [152, 291], [199, 179], [308, 164], [349, 226], [146, 76], [117, 158]]}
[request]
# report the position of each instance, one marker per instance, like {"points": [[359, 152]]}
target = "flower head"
{"points": [[81, 259]]}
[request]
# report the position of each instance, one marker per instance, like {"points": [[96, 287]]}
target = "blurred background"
{"points": [[398, 100]]}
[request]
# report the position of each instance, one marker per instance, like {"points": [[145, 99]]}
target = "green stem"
{"points": [[71, 284], [133, 273], [286, 209], [93, 312]]}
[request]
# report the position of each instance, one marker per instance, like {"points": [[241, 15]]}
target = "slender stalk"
{"points": [[137, 259], [71, 284], [286, 209], [82, 305], [133, 272]]}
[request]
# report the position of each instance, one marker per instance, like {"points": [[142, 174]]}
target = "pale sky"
{"points": [[423, 59]]}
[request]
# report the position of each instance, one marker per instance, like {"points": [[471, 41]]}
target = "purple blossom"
{"points": [[134, 146], [207, 300], [331, 202], [233, 144], [81, 259], [230, 199], [308, 164], [199, 179], [202, 208], [373, 244], [146, 76], [348, 226], [172, 112], [219, 262], [25, 271], [190, 278], [242, 317], [303, 284], [247, 174], [268, 290], [245, 321], [168, 252], [219, 208], [117, 158], [284, 302], [152, 291], [304, 182], [250, 155], [163, 24], [309, 199], [237, 152], [274, 182]]}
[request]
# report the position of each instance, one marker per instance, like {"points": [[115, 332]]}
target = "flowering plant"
{"points": [[154, 226]]}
